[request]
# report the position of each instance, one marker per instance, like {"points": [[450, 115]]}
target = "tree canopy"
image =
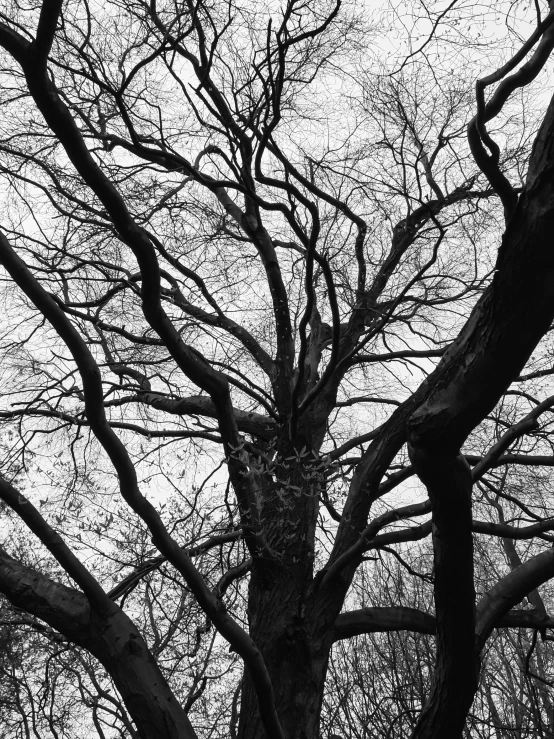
{"points": [[276, 426]]}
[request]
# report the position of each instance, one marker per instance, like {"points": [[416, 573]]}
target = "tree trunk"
{"points": [[281, 593], [278, 625], [448, 481]]}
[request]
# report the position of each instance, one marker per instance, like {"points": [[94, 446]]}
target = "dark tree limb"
{"points": [[116, 451], [527, 424], [111, 637], [510, 590], [370, 620], [190, 361]]}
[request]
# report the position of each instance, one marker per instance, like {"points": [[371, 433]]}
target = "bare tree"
{"points": [[260, 289]]}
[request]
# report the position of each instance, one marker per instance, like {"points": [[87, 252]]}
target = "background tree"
{"points": [[260, 288]]}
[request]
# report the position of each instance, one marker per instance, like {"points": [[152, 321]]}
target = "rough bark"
{"points": [[279, 599], [279, 627]]}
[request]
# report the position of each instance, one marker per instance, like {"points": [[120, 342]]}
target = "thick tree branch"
{"points": [[191, 362], [510, 590], [254, 424], [94, 408], [370, 620], [55, 545], [148, 433], [48, 21], [111, 637]]}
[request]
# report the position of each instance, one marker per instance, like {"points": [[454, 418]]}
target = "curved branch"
{"points": [[55, 545], [369, 537], [510, 590], [528, 423], [94, 408], [190, 361], [132, 580], [111, 637], [477, 132]]}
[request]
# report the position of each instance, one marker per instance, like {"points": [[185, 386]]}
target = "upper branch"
{"points": [[55, 544], [47, 24], [478, 136], [190, 361]]}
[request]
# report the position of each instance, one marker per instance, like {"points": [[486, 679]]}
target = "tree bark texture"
{"points": [[297, 668]]}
